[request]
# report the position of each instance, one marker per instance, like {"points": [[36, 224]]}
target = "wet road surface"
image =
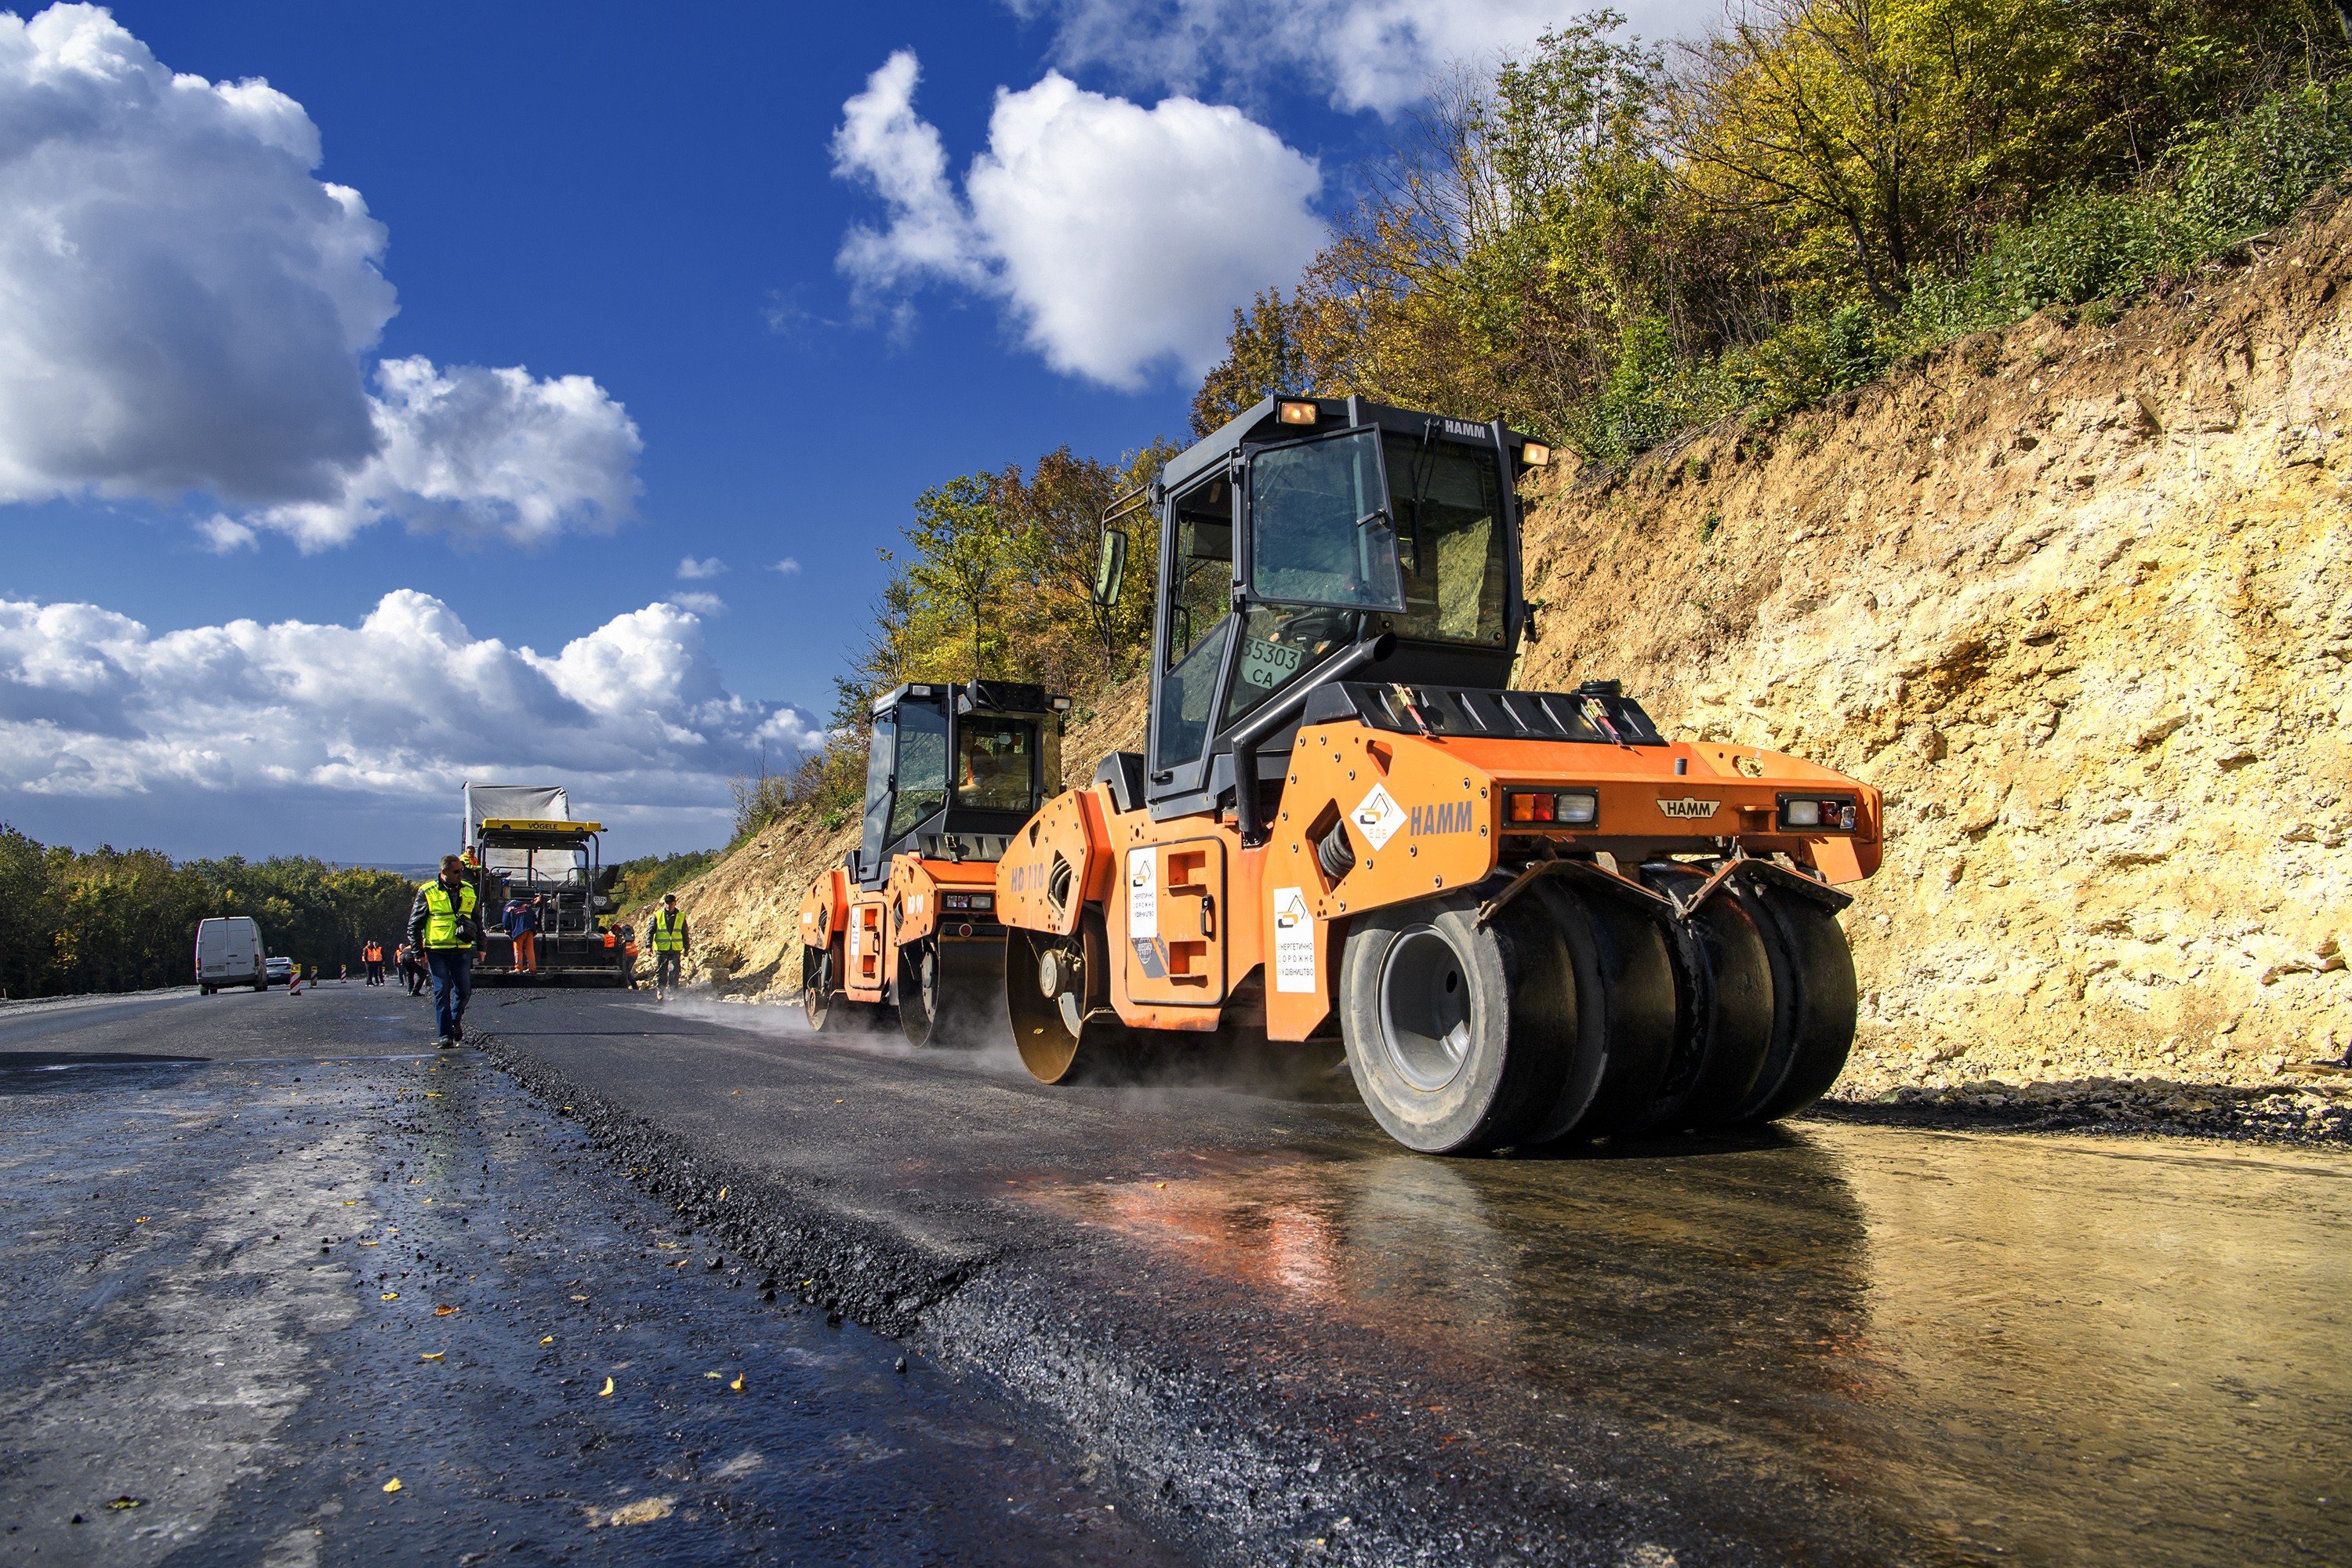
{"points": [[259, 1260], [1835, 1343], [1238, 1319]]}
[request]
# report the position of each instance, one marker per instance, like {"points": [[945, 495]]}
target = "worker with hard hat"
{"points": [[442, 924], [670, 941]]}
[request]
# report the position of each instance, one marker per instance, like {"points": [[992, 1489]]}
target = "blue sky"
{"points": [[652, 199]]}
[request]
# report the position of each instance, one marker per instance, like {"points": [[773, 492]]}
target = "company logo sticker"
{"points": [[1294, 942], [1380, 817], [1142, 894], [1689, 808]]}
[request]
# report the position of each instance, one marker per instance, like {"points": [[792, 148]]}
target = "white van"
{"points": [[229, 952]]}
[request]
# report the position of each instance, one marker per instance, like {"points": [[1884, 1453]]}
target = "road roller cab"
{"points": [[908, 922], [1527, 915]]}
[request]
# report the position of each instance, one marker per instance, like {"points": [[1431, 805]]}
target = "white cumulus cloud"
{"points": [[186, 309], [789, 566], [690, 570], [1118, 238], [700, 603], [1376, 55], [297, 718]]}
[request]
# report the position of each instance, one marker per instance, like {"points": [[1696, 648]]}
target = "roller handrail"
{"points": [[1271, 717]]}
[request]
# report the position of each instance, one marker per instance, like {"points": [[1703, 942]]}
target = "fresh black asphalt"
{"points": [[1216, 1321]]}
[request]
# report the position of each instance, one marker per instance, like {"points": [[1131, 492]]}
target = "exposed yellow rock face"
{"points": [[2077, 599]]}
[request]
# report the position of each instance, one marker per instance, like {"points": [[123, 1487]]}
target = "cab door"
{"points": [[1172, 912]]}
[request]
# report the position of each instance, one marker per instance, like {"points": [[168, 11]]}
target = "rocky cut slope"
{"points": [[2074, 595]]}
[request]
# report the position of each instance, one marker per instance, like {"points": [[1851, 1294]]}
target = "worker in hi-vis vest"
{"points": [[669, 946], [442, 926]]}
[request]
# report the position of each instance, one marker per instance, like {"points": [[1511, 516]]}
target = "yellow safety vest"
{"points": [[441, 920], [669, 931]]}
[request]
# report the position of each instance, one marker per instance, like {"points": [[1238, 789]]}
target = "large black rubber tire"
{"points": [[1101, 1049], [1723, 1009], [1618, 1032], [947, 995], [1454, 1028], [1815, 1002]]}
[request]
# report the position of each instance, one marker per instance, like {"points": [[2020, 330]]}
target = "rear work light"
{"points": [[1289, 412], [1536, 455], [1822, 813], [1556, 808]]}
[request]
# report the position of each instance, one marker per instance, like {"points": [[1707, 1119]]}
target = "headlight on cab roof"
{"points": [[1551, 808], [1817, 813]]}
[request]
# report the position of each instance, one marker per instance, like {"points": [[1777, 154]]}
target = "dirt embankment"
{"points": [[2080, 600], [2075, 596]]}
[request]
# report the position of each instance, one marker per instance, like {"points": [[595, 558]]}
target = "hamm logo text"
{"points": [[1451, 817]]}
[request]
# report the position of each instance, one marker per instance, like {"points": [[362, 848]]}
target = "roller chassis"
{"points": [[1179, 925], [892, 935], [862, 950]]}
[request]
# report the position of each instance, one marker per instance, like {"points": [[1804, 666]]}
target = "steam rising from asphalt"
{"points": [[784, 1020], [1314, 1072]]}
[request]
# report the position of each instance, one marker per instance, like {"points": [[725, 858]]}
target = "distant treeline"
{"points": [[125, 920], [648, 877]]}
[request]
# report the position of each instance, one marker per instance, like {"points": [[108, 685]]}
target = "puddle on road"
{"points": [[2053, 1350]]}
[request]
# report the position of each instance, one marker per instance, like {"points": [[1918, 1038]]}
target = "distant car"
{"points": [[282, 972], [229, 952]]}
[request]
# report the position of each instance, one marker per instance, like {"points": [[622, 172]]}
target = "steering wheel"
{"points": [[1314, 631]]}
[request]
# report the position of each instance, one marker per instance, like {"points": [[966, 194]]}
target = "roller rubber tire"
{"points": [[1815, 1002], [1618, 1033], [1452, 1028], [1723, 992]]}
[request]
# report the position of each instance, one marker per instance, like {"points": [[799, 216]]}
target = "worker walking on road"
{"points": [[442, 924], [670, 941]]}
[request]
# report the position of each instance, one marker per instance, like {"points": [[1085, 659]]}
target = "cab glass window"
{"points": [[922, 765], [1200, 614], [1448, 500], [1319, 528], [1279, 644], [1185, 693], [880, 749], [996, 764], [1204, 589]]}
